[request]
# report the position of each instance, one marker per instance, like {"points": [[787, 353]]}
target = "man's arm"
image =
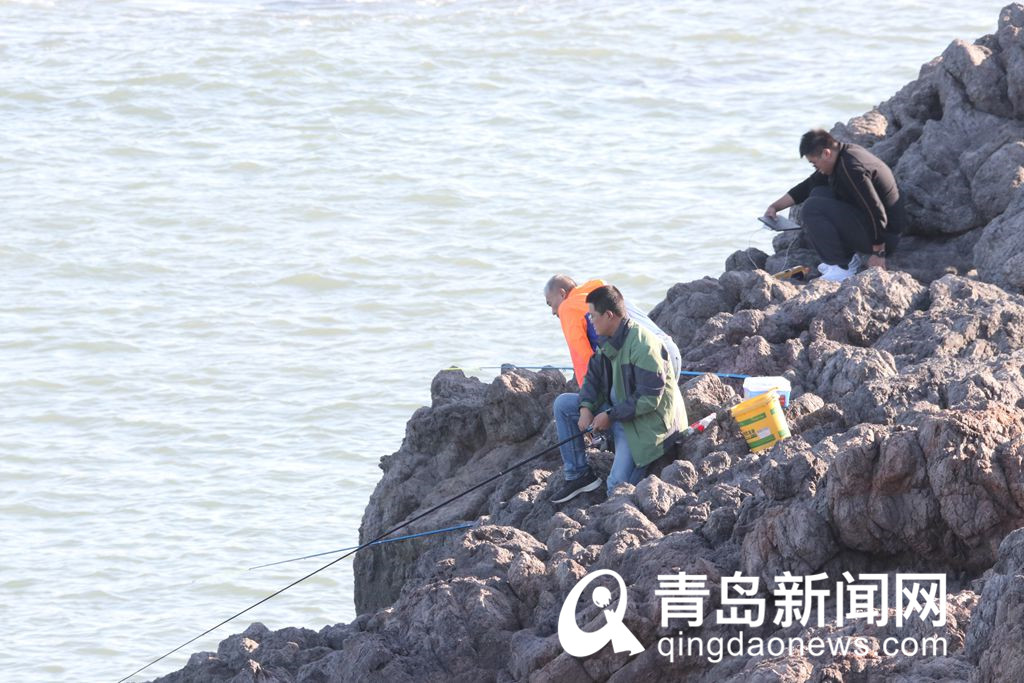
{"points": [[802, 190], [592, 392], [862, 187], [797, 194]]}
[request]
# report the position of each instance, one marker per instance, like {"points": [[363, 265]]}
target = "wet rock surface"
{"points": [[907, 454]]}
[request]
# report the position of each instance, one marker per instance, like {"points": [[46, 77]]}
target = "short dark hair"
{"points": [[816, 141], [608, 298]]}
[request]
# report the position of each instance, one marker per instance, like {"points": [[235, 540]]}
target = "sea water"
{"points": [[240, 238]]}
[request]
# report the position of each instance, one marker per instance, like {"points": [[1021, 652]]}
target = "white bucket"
{"points": [[755, 386]]}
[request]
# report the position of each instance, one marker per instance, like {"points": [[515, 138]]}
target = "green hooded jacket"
{"points": [[647, 402]]}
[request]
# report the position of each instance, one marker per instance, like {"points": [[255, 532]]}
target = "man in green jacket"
{"points": [[630, 389]]}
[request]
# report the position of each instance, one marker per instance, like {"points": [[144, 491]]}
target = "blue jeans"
{"points": [[623, 467], [574, 455]]}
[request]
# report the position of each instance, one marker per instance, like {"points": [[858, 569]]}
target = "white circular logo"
{"points": [[580, 643]]}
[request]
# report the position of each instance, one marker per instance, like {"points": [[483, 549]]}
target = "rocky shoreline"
{"points": [[907, 453]]}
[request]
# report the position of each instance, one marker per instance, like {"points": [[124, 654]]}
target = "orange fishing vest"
{"points": [[572, 313]]}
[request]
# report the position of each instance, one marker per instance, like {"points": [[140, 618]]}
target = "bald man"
{"points": [[568, 301]]}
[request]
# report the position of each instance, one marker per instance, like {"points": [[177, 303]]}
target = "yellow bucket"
{"points": [[761, 421]]}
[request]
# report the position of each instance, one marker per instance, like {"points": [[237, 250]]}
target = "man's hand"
{"points": [[780, 204], [602, 422], [876, 261], [586, 418]]}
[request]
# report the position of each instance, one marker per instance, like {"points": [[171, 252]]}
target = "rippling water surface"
{"points": [[241, 238]]}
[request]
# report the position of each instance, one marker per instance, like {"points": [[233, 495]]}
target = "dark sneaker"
{"points": [[571, 489]]}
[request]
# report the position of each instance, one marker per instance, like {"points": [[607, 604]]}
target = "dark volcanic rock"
{"points": [[471, 431], [907, 454], [993, 641]]}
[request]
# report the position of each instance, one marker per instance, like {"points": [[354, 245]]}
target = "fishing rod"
{"points": [[357, 549], [726, 375], [386, 540], [510, 366], [689, 373], [696, 428]]}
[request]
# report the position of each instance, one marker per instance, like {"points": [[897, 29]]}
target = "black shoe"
{"points": [[588, 482]]}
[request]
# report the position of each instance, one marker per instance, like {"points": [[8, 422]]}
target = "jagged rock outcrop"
{"points": [[907, 459], [993, 641], [467, 422], [955, 140], [907, 455]]}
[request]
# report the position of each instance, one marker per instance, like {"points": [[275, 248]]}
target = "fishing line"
{"points": [[785, 265], [386, 540], [750, 241], [525, 367], [692, 373], [355, 550], [726, 375]]}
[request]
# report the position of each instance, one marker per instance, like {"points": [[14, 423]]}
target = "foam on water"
{"points": [[241, 239]]}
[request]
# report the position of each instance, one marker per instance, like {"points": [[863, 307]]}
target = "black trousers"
{"points": [[837, 230]]}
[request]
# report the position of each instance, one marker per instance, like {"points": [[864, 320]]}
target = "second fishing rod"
{"points": [[390, 531]]}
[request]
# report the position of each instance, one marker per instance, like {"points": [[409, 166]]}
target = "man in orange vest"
{"points": [[568, 301]]}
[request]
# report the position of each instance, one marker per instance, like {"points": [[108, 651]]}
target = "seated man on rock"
{"points": [[851, 205], [630, 388], [568, 301]]}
